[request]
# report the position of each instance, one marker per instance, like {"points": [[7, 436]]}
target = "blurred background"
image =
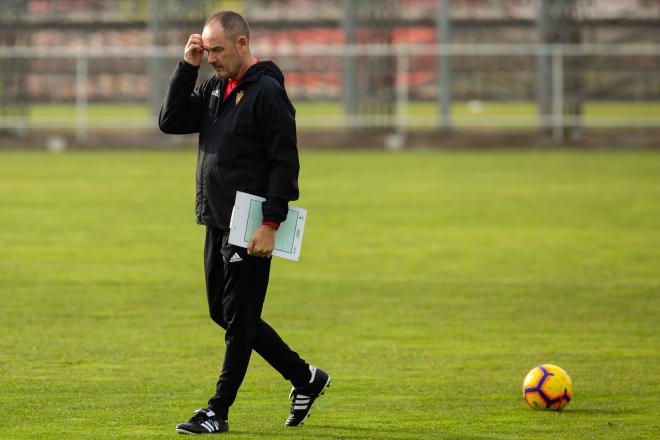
{"points": [[387, 73]]}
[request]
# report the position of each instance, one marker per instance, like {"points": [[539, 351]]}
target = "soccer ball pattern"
{"points": [[547, 387]]}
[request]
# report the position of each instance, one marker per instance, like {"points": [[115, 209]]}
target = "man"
{"points": [[247, 142]]}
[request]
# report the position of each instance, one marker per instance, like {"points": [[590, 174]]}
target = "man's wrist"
{"points": [[273, 225], [190, 65]]}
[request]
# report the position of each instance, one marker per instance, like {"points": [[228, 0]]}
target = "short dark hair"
{"points": [[232, 23]]}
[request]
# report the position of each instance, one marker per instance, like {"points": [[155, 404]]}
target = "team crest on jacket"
{"points": [[239, 96]]}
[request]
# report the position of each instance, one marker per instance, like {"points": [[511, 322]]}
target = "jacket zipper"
{"points": [[203, 171]]}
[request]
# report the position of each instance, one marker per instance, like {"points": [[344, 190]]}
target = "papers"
{"points": [[247, 216]]}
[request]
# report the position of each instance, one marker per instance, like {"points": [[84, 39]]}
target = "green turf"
{"points": [[430, 283]]}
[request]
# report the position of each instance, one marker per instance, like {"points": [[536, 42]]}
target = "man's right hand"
{"points": [[194, 53]]}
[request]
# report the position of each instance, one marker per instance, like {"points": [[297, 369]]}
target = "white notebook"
{"points": [[246, 218]]}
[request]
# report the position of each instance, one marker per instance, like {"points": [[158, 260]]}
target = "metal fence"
{"points": [[415, 104]]}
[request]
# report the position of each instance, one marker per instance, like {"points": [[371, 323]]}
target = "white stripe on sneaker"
{"points": [[299, 406], [208, 426]]}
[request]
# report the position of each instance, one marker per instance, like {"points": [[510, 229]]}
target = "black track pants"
{"points": [[236, 286]]}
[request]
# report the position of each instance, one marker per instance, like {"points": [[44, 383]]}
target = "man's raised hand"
{"points": [[194, 53]]}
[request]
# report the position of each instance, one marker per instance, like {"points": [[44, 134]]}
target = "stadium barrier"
{"points": [[404, 113]]}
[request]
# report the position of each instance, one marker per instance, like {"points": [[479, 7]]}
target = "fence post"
{"points": [[82, 63], [402, 68], [350, 97], [444, 70], [557, 93]]}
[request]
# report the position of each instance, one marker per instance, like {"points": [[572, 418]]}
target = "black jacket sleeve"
{"points": [[180, 113], [278, 125]]}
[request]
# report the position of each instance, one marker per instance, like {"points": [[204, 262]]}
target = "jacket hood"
{"points": [[264, 68]]}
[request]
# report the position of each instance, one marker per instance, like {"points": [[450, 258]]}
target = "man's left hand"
{"points": [[262, 242]]}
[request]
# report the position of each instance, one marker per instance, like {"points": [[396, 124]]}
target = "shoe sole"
{"points": [[183, 431], [327, 384]]}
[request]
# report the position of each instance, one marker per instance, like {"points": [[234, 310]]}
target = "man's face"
{"points": [[222, 51]]}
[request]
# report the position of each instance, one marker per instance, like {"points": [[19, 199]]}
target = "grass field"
{"points": [[490, 115], [430, 283]]}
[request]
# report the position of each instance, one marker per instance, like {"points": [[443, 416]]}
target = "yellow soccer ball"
{"points": [[548, 388]]}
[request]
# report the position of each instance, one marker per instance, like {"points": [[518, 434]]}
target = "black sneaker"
{"points": [[205, 421], [303, 398]]}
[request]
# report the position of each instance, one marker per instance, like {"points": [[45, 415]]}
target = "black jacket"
{"points": [[246, 143]]}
